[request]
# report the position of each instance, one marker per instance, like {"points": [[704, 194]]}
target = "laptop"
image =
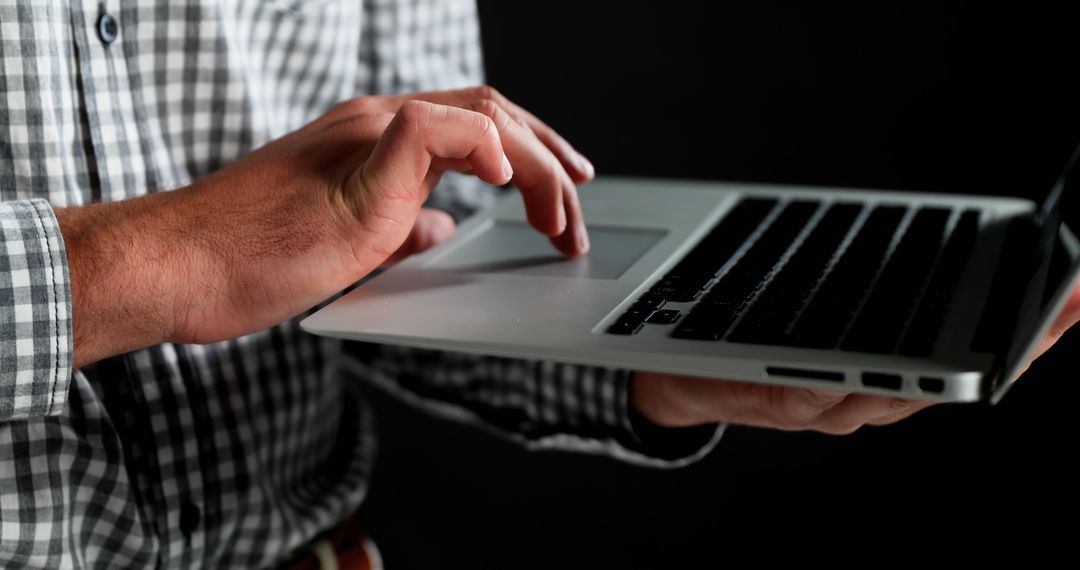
{"points": [[928, 296]]}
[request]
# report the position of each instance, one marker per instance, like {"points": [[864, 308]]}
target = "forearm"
{"points": [[124, 285], [539, 404]]}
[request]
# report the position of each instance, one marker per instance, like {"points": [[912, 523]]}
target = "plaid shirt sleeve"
{"points": [[35, 308], [542, 405]]}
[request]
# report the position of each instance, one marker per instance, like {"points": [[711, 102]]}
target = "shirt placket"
{"points": [[114, 131], [113, 114]]}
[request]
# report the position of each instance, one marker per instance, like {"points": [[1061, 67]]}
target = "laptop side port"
{"points": [[882, 380], [931, 385], [804, 374]]}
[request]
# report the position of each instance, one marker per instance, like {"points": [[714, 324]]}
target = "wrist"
{"points": [[655, 398], [123, 291], [668, 432]]}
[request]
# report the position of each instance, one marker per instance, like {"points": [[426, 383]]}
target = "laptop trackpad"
{"points": [[514, 247]]}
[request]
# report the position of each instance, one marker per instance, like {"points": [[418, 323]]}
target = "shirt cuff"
{"points": [[589, 402], [668, 443], [35, 312], [666, 446]]}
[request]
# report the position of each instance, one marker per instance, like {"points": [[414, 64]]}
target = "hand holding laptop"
{"points": [[681, 401]]}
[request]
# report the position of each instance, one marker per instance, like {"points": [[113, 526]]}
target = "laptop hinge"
{"points": [[1001, 311]]}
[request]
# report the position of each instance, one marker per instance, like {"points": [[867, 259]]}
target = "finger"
{"points": [[576, 165], [387, 190], [579, 167], [535, 175], [542, 181], [682, 400], [861, 409], [891, 419], [801, 408], [432, 227], [575, 240], [421, 132]]}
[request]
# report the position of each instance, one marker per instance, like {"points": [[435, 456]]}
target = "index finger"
{"points": [[577, 166]]}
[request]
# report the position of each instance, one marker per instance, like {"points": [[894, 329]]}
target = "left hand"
{"points": [[680, 401]]}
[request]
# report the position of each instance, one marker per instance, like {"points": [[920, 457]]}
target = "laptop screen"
{"points": [[1056, 263]]}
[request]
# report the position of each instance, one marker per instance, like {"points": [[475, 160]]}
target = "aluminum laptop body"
{"points": [[892, 293]]}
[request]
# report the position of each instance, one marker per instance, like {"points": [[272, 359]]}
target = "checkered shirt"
{"points": [[227, 455]]}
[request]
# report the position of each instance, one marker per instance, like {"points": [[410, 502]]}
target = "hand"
{"points": [[679, 401], [545, 164], [285, 227]]}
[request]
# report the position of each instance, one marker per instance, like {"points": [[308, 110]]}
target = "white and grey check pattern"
{"points": [[229, 455]]}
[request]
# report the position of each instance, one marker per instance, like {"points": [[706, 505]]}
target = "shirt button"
{"points": [[189, 519], [107, 28]]}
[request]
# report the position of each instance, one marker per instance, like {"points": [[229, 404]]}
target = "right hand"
{"points": [[289, 225]]}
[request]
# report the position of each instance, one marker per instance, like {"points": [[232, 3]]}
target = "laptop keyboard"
{"points": [[877, 281]]}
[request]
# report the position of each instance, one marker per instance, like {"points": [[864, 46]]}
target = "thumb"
{"points": [[432, 227]]}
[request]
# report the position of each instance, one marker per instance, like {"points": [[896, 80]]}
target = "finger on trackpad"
{"points": [[514, 247]]}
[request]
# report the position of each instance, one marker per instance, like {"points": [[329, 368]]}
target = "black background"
{"points": [[927, 96]]}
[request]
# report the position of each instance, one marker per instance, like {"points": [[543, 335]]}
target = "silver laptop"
{"points": [[919, 295]]}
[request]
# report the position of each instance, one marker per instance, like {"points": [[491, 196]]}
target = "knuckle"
{"points": [[553, 170], [492, 109], [358, 105], [383, 119], [487, 128], [486, 91], [411, 110], [900, 405], [486, 106], [417, 114], [821, 400], [798, 408], [801, 407]]}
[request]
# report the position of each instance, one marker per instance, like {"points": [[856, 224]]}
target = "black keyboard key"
{"points": [[710, 318], [883, 317], [651, 300], [734, 287], [664, 317], [772, 244], [638, 313], [681, 289], [696, 270], [925, 326], [631, 321], [738, 283], [708, 324], [713, 250], [625, 327], [768, 319], [825, 319], [694, 273]]}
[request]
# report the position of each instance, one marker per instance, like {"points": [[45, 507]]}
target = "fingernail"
{"points": [[444, 230], [508, 171], [583, 239], [586, 166]]}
